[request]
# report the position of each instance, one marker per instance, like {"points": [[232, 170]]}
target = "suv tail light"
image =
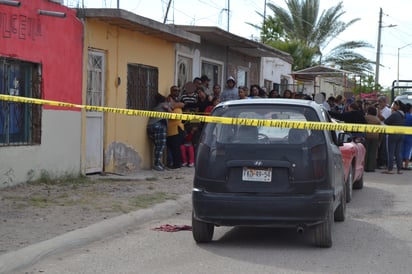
{"points": [[319, 159]]}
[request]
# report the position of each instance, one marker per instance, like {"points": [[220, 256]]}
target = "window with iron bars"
{"points": [[20, 123], [142, 86]]}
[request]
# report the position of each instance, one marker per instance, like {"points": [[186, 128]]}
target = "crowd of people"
{"points": [[383, 151], [180, 137]]}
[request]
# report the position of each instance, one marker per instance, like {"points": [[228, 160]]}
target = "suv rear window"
{"points": [[273, 135]]}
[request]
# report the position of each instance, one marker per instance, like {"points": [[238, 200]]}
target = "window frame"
{"points": [[20, 123], [216, 77], [142, 86]]}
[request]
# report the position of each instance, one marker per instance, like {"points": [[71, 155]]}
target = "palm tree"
{"points": [[347, 59], [302, 32]]}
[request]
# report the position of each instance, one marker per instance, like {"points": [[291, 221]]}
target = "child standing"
{"points": [[187, 148]]}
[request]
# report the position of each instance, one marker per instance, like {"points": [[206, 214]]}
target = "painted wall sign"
{"points": [[19, 26]]}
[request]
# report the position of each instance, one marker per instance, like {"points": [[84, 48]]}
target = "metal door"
{"points": [[94, 119]]}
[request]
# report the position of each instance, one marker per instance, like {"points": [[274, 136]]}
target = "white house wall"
{"points": [[273, 69], [58, 155], [308, 87], [322, 85], [332, 88]]}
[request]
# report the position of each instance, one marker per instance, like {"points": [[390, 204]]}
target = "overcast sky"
{"points": [[214, 13]]}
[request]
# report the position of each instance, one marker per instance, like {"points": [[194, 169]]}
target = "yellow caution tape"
{"points": [[223, 120]]}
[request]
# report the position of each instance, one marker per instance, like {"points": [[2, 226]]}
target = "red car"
{"points": [[353, 155]]}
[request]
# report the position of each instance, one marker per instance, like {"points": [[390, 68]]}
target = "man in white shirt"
{"points": [[383, 110]]}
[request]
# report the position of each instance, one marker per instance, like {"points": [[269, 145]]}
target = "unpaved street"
{"points": [[375, 238], [38, 212]]}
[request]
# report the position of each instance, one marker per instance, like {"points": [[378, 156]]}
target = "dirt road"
{"points": [[33, 213]]}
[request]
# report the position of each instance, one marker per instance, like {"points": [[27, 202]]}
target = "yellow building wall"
{"points": [[126, 146]]}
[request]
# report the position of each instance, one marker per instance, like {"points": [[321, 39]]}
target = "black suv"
{"points": [[268, 176]]}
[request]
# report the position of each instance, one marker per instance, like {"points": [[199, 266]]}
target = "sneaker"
{"points": [[158, 168], [165, 167], [185, 164], [191, 165]]}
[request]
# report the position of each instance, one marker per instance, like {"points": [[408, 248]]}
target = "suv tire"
{"points": [[340, 212], [202, 232], [323, 232]]}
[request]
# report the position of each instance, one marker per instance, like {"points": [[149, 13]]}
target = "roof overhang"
{"points": [[310, 74], [245, 46], [133, 22]]}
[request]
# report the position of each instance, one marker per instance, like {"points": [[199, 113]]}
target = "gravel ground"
{"points": [[32, 213]]}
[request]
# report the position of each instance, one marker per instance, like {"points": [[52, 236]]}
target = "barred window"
{"points": [[20, 123], [142, 86], [213, 71]]}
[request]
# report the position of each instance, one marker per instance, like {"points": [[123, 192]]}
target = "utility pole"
{"points": [[262, 39], [228, 15], [378, 50], [264, 13], [167, 11], [397, 77], [378, 47]]}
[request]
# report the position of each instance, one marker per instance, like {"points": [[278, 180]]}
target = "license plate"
{"points": [[257, 174]]}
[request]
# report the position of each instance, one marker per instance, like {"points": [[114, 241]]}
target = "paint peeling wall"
{"points": [[122, 158]]}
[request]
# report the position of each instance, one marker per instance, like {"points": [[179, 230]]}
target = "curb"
{"points": [[25, 257]]}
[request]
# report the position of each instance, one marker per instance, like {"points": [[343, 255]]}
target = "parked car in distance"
{"points": [[269, 176], [405, 98], [353, 156]]}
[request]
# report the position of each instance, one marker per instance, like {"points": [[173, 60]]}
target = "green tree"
{"points": [[346, 58], [366, 84], [302, 55], [304, 33]]}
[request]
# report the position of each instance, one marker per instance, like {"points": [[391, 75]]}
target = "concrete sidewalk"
{"points": [[23, 258]]}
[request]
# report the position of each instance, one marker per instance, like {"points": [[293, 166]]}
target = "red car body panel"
{"points": [[353, 154]]}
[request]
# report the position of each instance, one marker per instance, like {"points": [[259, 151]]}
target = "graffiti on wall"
{"points": [[7, 177], [19, 26]]}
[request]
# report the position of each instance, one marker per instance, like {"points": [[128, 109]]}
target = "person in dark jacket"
{"points": [[371, 140], [407, 139], [394, 141], [353, 116]]}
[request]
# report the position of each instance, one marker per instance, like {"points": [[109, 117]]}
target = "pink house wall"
{"points": [[55, 43]]}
